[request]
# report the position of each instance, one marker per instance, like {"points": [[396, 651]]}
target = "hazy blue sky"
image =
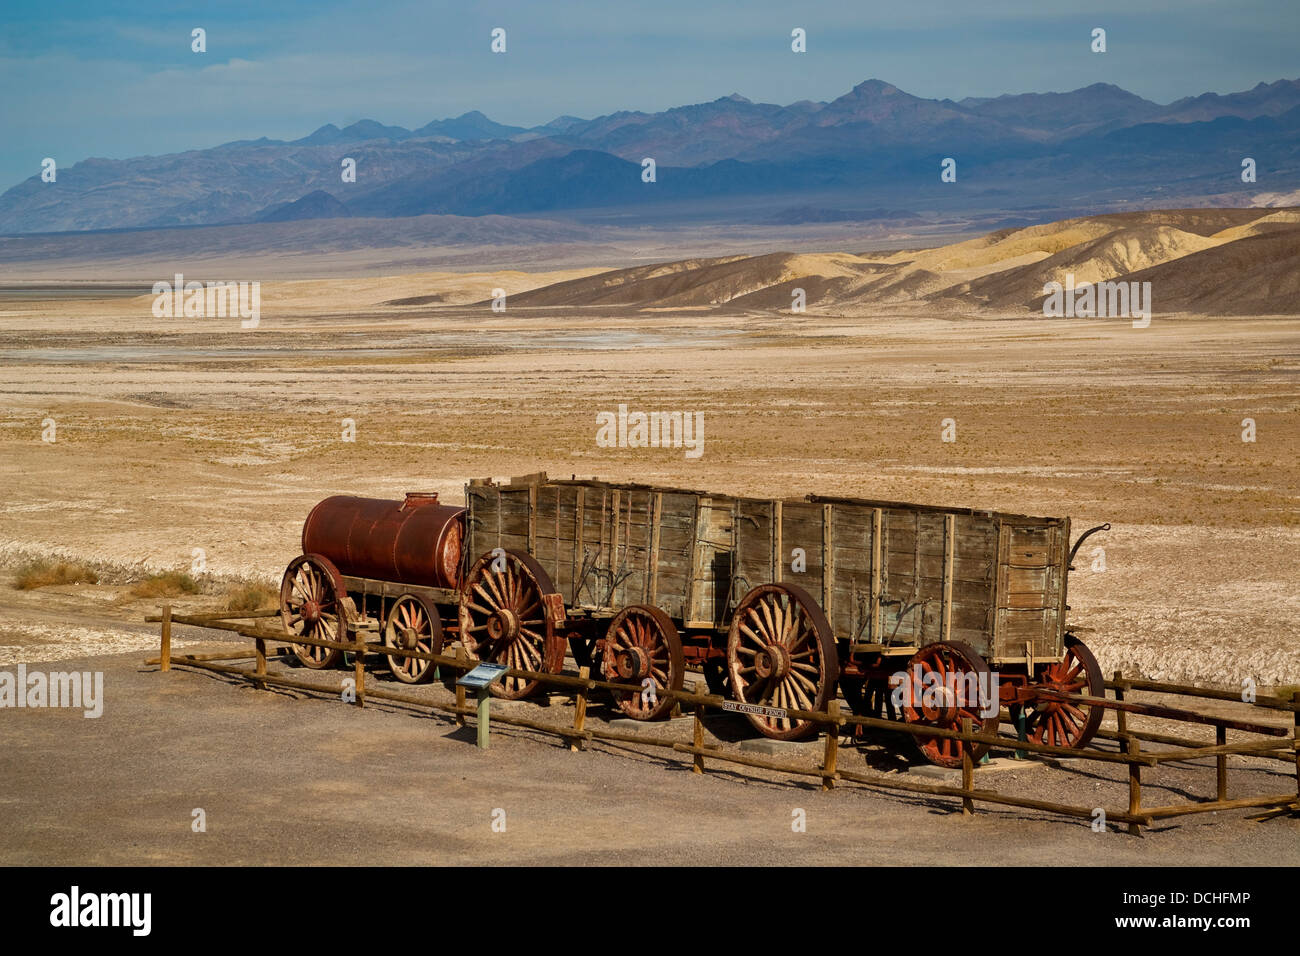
{"points": [[117, 79]]}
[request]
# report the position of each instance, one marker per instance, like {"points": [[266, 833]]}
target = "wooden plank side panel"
{"points": [[552, 530], [652, 559], [676, 540], [606, 546], [711, 576], [480, 503], [636, 527], [513, 518], [754, 544], [1031, 577], [932, 561], [851, 580], [592, 557], [874, 625], [803, 527], [572, 596], [970, 570], [498, 518]]}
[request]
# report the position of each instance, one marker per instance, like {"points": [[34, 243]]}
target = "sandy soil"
{"points": [[401, 786], [193, 434]]}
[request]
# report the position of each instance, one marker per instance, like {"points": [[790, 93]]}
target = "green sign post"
{"points": [[480, 680]]}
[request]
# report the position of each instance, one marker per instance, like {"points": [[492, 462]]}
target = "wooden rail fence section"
{"points": [[1283, 745]]}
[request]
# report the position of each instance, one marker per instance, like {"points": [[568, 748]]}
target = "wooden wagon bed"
{"points": [[890, 576]]}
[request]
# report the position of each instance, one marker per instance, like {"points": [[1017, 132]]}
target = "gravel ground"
{"points": [[293, 778]]}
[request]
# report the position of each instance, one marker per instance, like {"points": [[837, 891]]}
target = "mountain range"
{"points": [[1033, 155]]}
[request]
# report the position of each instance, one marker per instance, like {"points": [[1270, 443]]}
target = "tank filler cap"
{"points": [[416, 499]]}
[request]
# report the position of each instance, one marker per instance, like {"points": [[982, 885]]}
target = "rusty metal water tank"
{"points": [[416, 541]]}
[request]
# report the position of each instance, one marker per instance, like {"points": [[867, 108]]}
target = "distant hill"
{"points": [[1035, 156], [315, 205], [1217, 261]]}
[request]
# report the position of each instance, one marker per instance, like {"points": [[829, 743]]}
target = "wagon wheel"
{"points": [[642, 644], [943, 684], [503, 619], [781, 653], [412, 625], [313, 603], [1058, 722]]}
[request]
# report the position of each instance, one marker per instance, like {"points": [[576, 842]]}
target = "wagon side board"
{"points": [[902, 576], [890, 576], [1030, 611], [607, 546]]}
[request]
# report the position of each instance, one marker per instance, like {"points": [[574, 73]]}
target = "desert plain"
{"points": [[187, 440]]}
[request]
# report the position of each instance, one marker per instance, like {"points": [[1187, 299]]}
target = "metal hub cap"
{"points": [[633, 663], [942, 711], [503, 625], [772, 661], [311, 611]]}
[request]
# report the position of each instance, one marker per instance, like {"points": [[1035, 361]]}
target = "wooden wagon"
{"points": [[927, 614], [931, 613]]}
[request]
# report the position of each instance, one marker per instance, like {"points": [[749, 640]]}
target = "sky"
{"points": [[117, 78]]}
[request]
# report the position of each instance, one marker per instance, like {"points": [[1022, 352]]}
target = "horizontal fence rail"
{"points": [[1284, 743]]}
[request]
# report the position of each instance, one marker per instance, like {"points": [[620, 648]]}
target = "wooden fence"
{"points": [[1280, 745]]}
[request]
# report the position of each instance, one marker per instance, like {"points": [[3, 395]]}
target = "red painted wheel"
{"points": [[781, 654], [1061, 723], [412, 625], [313, 603], [503, 619], [945, 682], [642, 646]]}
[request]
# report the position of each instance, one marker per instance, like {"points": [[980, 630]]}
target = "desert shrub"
{"points": [[245, 598], [43, 573], [165, 584]]}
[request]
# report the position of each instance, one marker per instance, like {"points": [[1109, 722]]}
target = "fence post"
{"points": [[698, 766], [1121, 718], [580, 710], [1295, 699], [832, 746], [359, 671], [1134, 785], [165, 656], [260, 670], [484, 717], [1221, 738], [967, 771], [460, 689]]}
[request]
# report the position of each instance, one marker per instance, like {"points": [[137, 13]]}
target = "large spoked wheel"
{"points": [[503, 619], [643, 650], [945, 682], [781, 654], [1061, 723], [412, 625], [312, 604]]}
